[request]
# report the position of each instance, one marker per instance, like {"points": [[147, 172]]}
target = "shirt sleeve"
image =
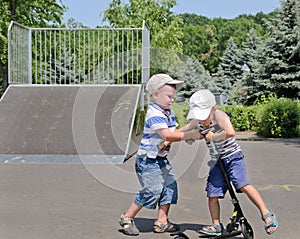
{"points": [[158, 122]]}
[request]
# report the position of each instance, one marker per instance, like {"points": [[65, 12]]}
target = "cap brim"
{"points": [[198, 114], [178, 84]]}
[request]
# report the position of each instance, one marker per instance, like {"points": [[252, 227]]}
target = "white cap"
{"points": [[159, 80], [201, 103]]}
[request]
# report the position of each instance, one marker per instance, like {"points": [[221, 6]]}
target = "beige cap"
{"points": [[159, 80], [201, 103]]}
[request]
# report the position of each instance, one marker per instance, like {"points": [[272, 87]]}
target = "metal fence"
{"points": [[78, 56]]}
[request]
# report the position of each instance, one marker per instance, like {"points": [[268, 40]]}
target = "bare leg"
{"points": [[133, 210], [214, 209], [163, 212], [255, 197]]}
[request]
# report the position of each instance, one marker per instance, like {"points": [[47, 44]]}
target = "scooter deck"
{"points": [[225, 235], [181, 235]]}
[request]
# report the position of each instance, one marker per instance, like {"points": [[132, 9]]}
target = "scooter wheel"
{"points": [[247, 230]]}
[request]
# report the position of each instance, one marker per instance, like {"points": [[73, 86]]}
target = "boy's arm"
{"points": [[178, 135], [223, 120], [190, 126], [166, 143]]}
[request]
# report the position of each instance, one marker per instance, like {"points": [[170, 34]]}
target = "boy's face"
{"points": [[164, 97], [207, 121]]}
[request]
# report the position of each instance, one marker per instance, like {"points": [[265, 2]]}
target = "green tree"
{"points": [[63, 71], [200, 39], [249, 47], [72, 23], [222, 84], [231, 62], [194, 19], [278, 68], [249, 53], [239, 28], [230, 72], [165, 26], [207, 39], [195, 77], [33, 13]]}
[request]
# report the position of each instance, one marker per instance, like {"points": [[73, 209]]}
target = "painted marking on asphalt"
{"points": [[287, 187]]}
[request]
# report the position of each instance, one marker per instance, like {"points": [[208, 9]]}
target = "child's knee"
{"points": [[245, 188]]}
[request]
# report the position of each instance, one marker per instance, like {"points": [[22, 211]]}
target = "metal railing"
{"points": [[78, 56]]}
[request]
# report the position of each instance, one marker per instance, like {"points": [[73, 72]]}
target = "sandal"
{"points": [[212, 230], [272, 223], [161, 228], [129, 228]]}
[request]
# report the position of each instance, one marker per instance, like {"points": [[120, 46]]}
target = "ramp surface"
{"points": [[62, 124]]}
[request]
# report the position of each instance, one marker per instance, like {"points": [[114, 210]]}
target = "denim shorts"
{"points": [[158, 183], [235, 168]]}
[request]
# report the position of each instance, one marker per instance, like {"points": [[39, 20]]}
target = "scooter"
{"points": [[238, 223]]}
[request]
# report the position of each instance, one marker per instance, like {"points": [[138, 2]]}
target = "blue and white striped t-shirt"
{"points": [[156, 118], [226, 147]]}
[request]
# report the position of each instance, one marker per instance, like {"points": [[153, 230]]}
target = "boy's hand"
{"points": [[196, 135], [162, 146], [209, 136], [190, 141]]}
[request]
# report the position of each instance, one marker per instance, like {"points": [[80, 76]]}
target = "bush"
{"points": [[279, 118], [242, 118], [181, 111], [271, 117]]}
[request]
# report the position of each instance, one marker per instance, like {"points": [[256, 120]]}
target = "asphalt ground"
{"points": [[78, 201]]}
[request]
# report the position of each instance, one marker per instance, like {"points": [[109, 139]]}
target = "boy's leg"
{"points": [[216, 188], [163, 212], [127, 222], [214, 209], [255, 197], [132, 210], [162, 224]]}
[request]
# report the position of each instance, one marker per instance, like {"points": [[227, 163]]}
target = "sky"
{"points": [[88, 11]]}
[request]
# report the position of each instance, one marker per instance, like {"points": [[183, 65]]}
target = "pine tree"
{"points": [[62, 71], [195, 77], [231, 62], [249, 56], [278, 68], [249, 48], [229, 74]]}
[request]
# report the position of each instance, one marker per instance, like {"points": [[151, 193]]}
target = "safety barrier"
{"points": [[78, 56]]}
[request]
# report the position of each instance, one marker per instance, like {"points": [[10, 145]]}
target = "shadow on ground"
{"points": [[145, 225]]}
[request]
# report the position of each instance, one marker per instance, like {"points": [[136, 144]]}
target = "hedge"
{"points": [[278, 118]]}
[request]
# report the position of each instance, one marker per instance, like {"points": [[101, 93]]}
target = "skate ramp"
{"points": [[68, 124]]}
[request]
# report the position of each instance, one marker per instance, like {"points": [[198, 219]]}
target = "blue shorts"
{"points": [[158, 183], [235, 168]]}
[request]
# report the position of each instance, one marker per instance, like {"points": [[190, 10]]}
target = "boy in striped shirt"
{"points": [[154, 171], [205, 115]]}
